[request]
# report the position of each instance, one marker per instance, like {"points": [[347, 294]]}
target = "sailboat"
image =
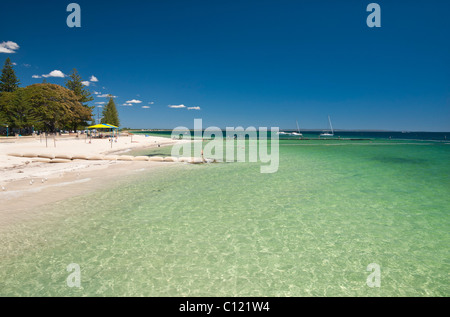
{"points": [[331, 127], [298, 131]]}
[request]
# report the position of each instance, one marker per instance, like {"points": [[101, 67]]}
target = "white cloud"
{"points": [[145, 107], [97, 93], [100, 103], [55, 73], [177, 107], [27, 65], [194, 108], [86, 83], [93, 79], [8, 47], [127, 105], [15, 64], [6, 50], [151, 103], [106, 96], [134, 101], [11, 45]]}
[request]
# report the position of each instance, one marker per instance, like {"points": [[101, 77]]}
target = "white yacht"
{"points": [[328, 134], [298, 131]]}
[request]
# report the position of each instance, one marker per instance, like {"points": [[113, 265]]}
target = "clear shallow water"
{"points": [[226, 230]]}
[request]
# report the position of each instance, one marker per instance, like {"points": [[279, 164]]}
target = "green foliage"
{"points": [[47, 107], [16, 112], [56, 106], [4, 101], [8, 79], [74, 83], [110, 113]]}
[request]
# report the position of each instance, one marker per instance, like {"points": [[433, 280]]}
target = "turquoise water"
{"points": [[311, 229], [438, 136]]}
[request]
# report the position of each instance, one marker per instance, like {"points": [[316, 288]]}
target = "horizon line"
{"points": [[310, 130]]}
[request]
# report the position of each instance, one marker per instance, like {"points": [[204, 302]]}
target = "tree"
{"points": [[79, 114], [53, 107], [16, 112], [8, 80], [110, 114], [3, 104], [47, 107], [75, 84]]}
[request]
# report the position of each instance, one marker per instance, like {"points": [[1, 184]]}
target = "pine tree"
{"points": [[8, 80], [18, 113], [110, 114], [75, 84]]}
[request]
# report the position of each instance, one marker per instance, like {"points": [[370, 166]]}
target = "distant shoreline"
{"points": [[303, 130]]}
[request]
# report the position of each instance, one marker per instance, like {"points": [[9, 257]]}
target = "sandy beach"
{"points": [[27, 182]]}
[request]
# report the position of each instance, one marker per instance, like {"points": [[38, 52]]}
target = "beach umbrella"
{"points": [[105, 126], [111, 126], [100, 126]]}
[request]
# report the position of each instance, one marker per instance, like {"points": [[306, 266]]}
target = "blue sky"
{"points": [[246, 63]]}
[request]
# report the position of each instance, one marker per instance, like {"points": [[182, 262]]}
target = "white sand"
{"points": [[19, 168]]}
